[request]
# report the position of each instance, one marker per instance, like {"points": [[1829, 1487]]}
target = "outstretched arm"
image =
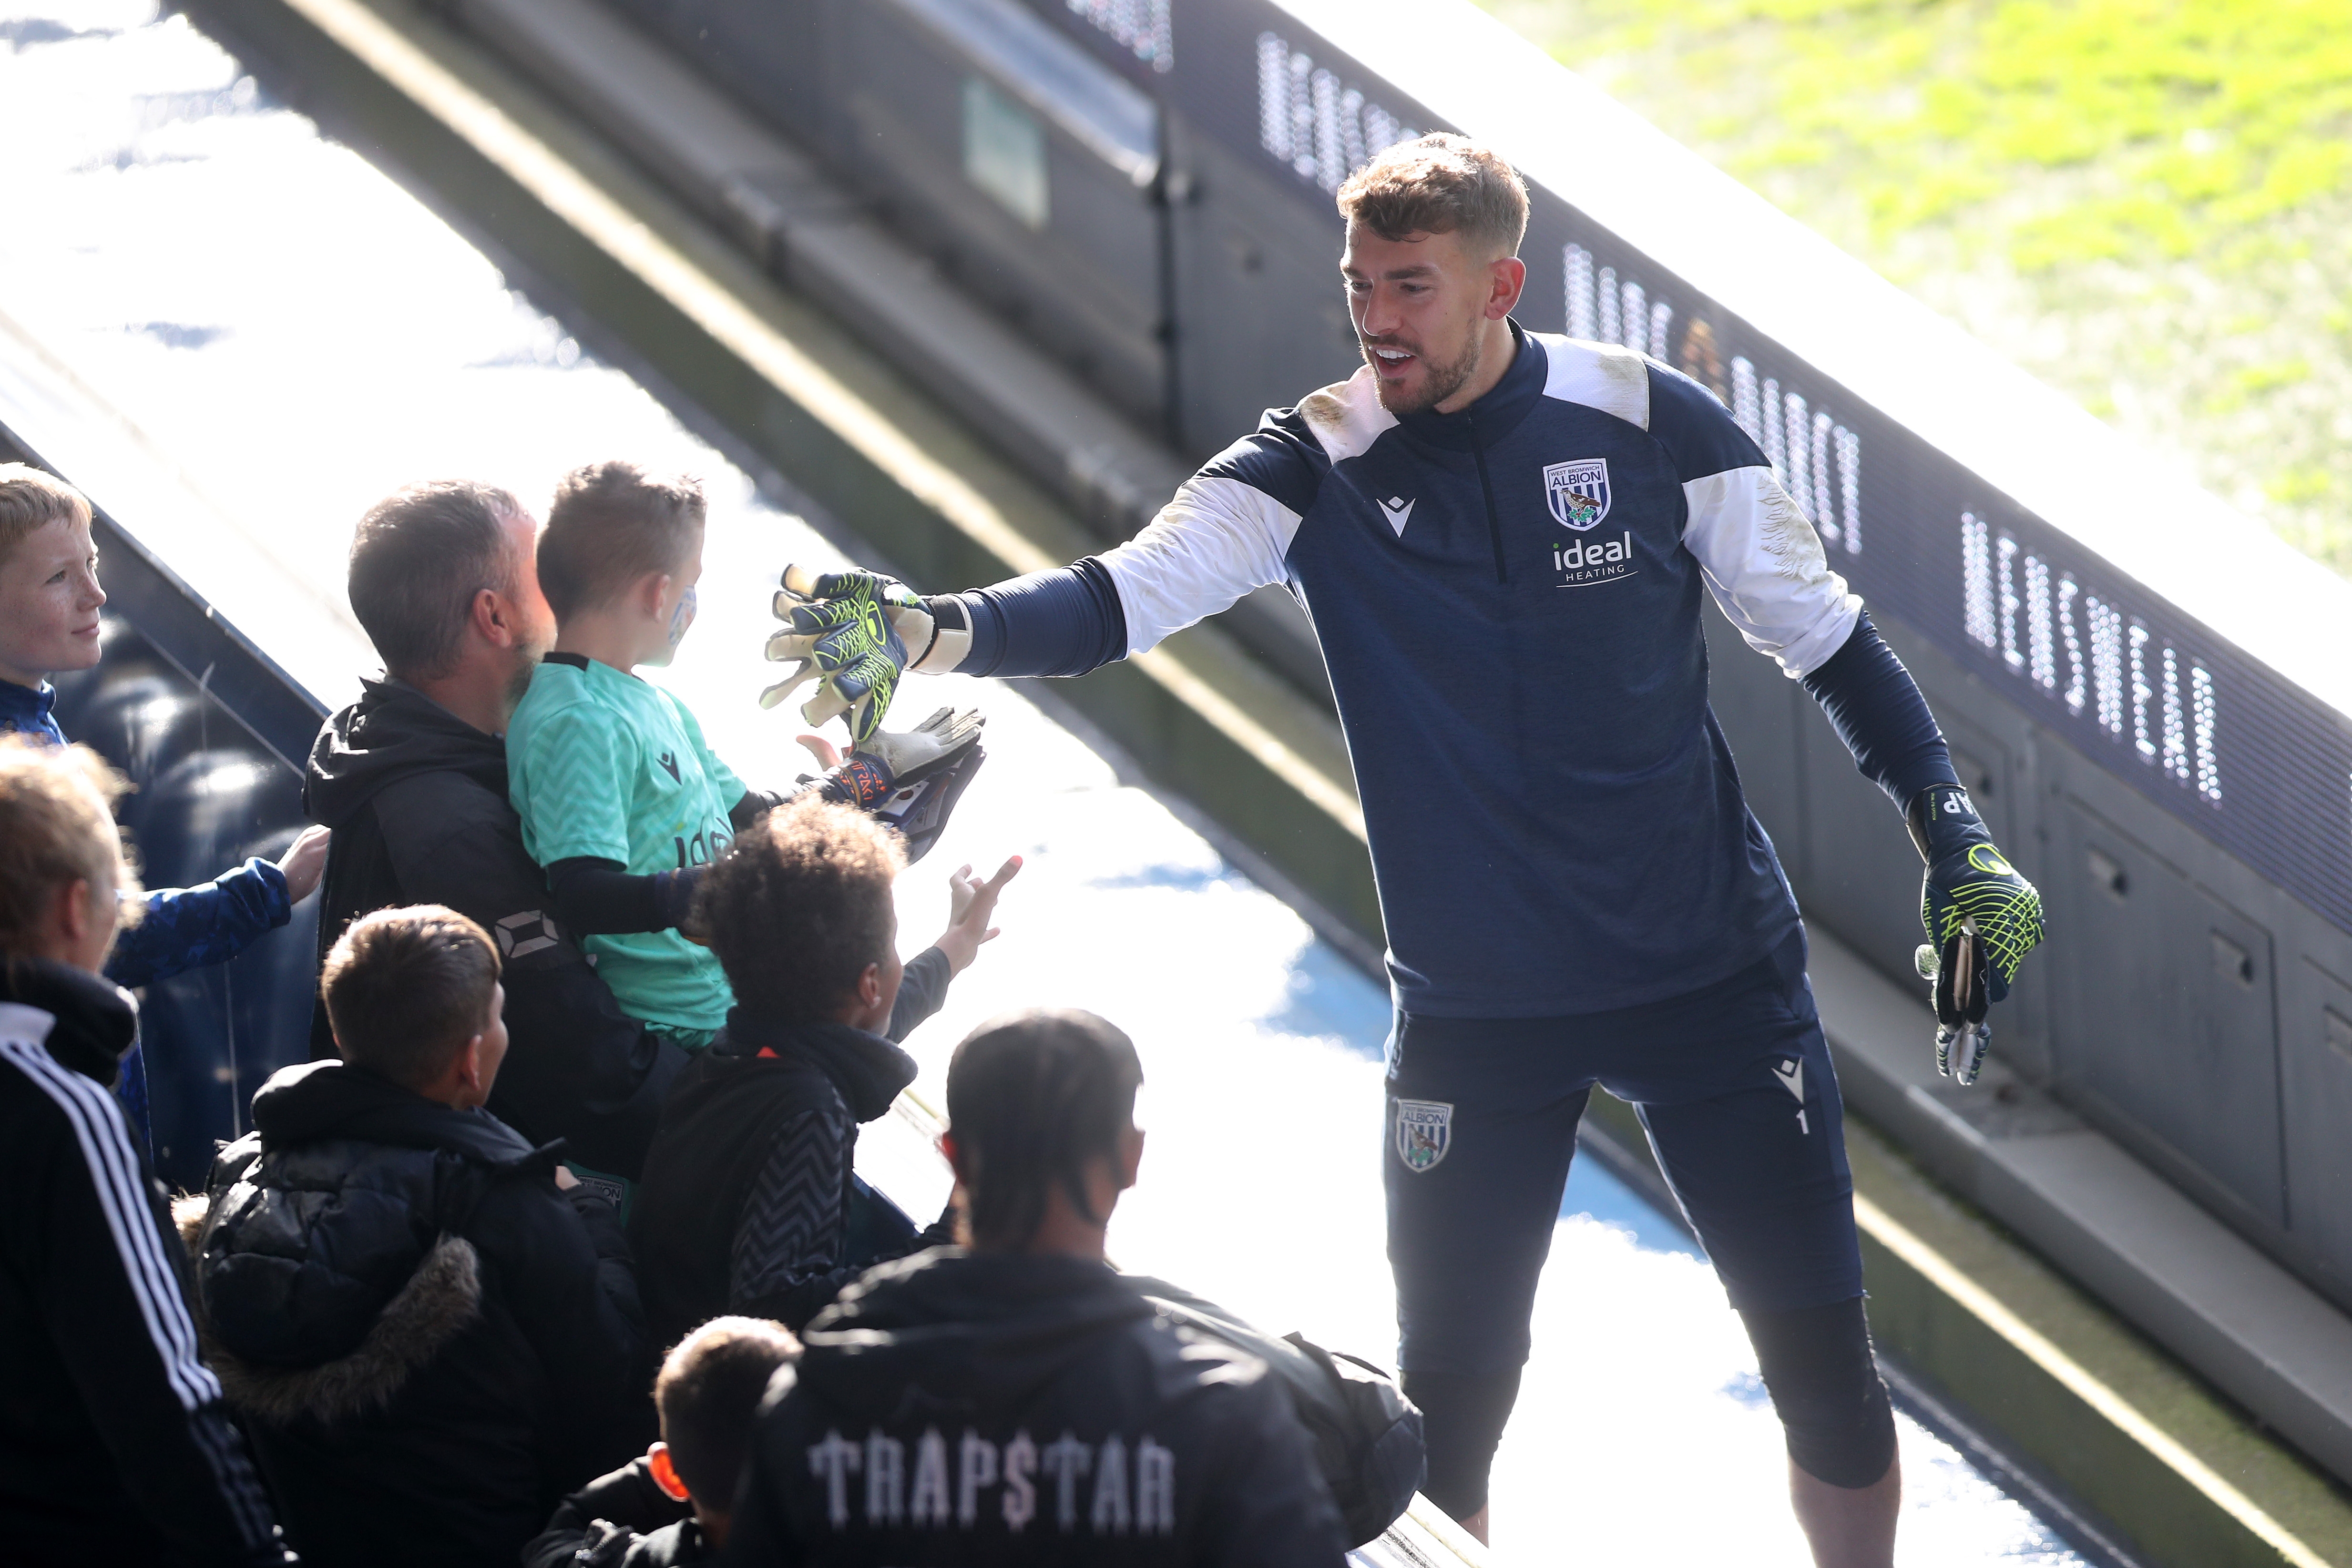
{"points": [[1225, 533]]}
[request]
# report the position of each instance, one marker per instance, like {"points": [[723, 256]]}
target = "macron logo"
{"points": [[1396, 510]]}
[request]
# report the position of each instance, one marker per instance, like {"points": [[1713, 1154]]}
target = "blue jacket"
{"points": [[1509, 599], [183, 927]]}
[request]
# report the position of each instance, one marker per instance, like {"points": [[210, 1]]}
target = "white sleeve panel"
{"points": [[1218, 540], [1765, 565]]}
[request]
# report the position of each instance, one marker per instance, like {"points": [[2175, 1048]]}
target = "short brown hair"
{"points": [[55, 828], [418, 558], [799, 904], [610, 524], [30, 501], [406, 988], [1441, 183], [709, 1394]]}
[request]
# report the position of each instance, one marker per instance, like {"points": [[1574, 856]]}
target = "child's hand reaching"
{"points": [[969, 905]]}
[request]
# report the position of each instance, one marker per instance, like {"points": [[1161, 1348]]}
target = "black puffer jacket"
{"points": [[431, 1344], [973, 1409]]}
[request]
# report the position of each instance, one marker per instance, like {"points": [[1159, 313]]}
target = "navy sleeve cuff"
{"points": [[1060, 623], [1877, 709]]}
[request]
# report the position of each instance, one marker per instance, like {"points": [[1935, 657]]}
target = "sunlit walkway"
{"points": [[294, 335]]}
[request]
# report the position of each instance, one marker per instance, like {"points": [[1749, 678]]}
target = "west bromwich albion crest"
{"points": [[1424, 1131], [1579, 492]]}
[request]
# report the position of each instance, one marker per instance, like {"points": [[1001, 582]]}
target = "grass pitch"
{"points": [[2147, 203]]}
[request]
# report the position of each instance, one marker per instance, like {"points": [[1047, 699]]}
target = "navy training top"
{"points": [[1507, 599]]}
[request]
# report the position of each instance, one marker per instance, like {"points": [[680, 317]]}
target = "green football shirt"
{"points": [[602, 763]]}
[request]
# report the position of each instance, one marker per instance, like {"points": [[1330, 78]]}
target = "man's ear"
{"points": [[1131, 1157], [491, 619], [1507, 279]]}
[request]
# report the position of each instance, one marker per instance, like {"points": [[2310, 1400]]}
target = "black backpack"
{"points": [[1367, 1433]]}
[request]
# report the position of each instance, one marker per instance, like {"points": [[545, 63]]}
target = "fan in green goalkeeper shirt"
{"points": [[621, 798]]}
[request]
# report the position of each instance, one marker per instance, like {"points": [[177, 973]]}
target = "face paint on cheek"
{"points": [[682, 618]]}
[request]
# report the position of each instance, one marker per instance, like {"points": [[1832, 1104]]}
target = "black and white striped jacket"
{"points": [[114, 1447]]}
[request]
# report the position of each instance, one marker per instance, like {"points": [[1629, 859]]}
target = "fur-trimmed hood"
{"points": [[332, 1262], [441, 1300]]}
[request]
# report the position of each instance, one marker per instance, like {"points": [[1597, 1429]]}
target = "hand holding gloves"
{"points": [[1981, 917], [911, 781]]}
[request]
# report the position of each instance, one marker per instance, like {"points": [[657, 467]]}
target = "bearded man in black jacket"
{"points": [[412, 778], [1022, 1402]]}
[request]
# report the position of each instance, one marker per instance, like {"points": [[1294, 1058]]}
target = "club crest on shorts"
{"points": [[1424, 1131], [1578, 492]]}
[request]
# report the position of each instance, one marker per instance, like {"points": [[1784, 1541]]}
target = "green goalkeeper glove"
{"points": [[1982, 918], [855, 634]]}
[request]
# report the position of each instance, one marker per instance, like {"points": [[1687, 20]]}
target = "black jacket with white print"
{"points": [[114, 1443], [1002, 1408]]}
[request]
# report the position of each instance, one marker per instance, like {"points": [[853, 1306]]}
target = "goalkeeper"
{"points": [[1504, 538]]}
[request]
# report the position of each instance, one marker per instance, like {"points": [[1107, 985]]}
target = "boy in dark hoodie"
{"points": [[430, 1327], [1022, 1402], [747, 1197], [670, 1508]]}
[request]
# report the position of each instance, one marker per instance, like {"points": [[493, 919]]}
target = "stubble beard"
{"points": [[1438, 381], [527, 657]]}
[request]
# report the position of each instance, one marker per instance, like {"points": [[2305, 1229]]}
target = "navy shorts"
{"points": [[1735, 1085]]}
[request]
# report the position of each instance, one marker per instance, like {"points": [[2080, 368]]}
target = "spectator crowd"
{"points": [[556, 1251]]}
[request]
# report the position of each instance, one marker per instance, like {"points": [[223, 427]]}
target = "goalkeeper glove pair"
{"points": [[911, 781], [855, 633], [1981, 918]]}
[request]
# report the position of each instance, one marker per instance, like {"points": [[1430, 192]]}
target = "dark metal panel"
{"points": [[2168, 1021], [2315, 1105], [1260, 317]]}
